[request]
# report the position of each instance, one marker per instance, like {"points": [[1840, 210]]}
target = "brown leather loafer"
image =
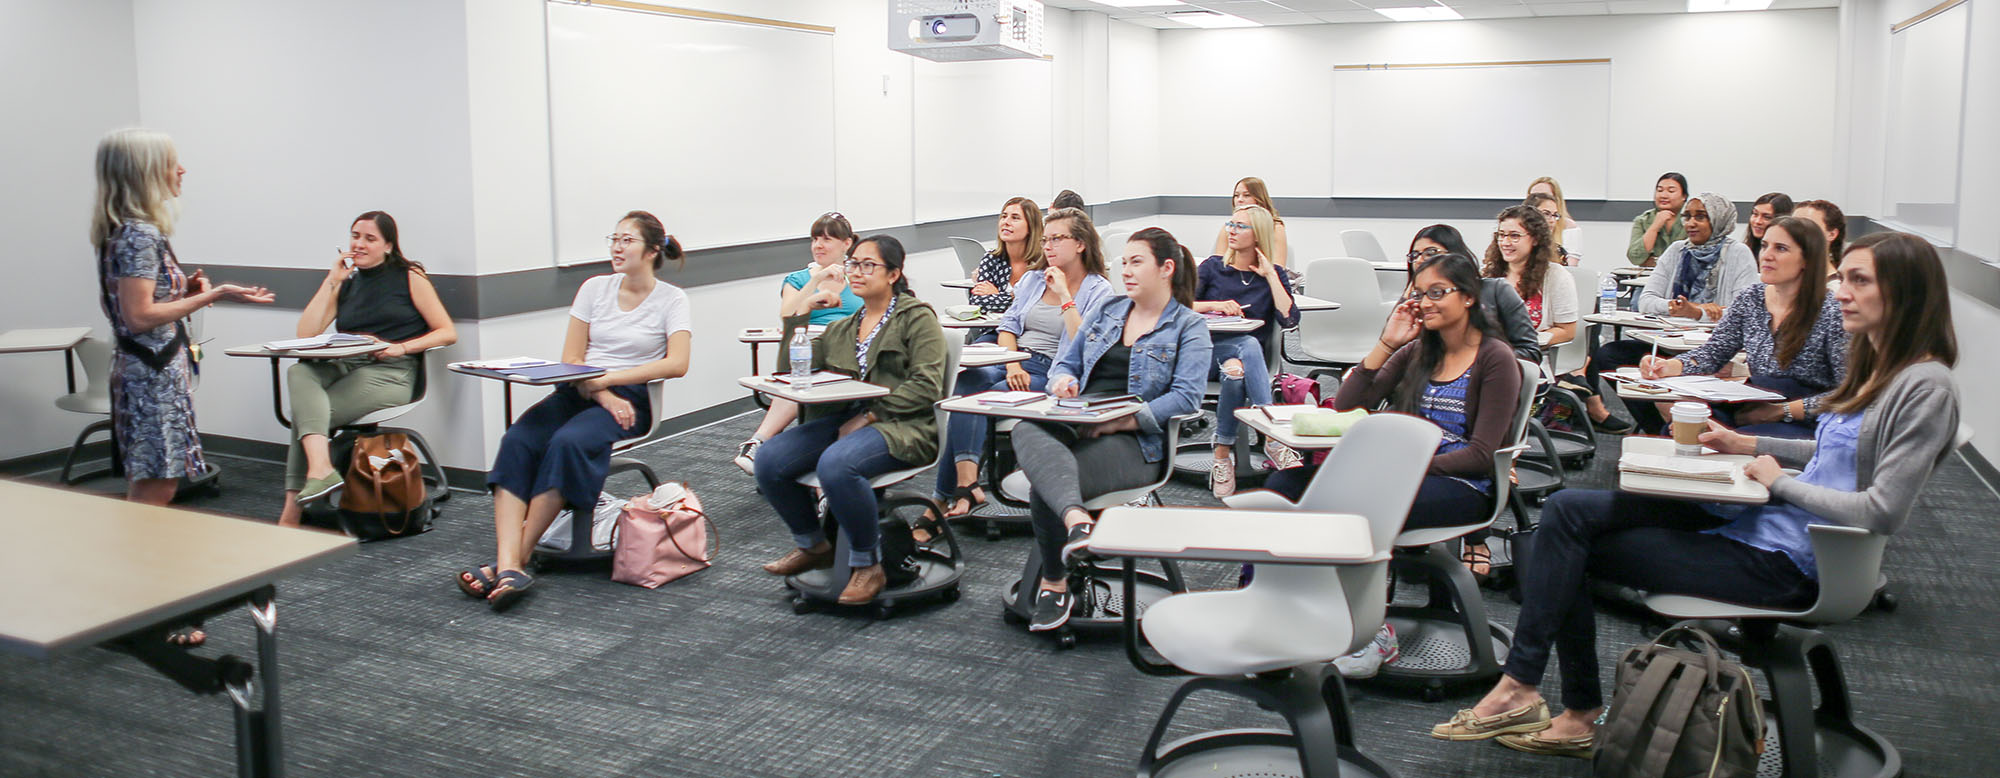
{"points": [[866, 583], [799, 560], [1581, 746], [1465, 725]]}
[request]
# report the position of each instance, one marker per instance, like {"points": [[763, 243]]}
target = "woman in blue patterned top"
{"points": [[1788, 327], [1020, 233], [1886, 427]]}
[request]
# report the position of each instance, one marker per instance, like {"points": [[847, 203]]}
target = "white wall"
{"points": [[70, 78], [1258, 101]]}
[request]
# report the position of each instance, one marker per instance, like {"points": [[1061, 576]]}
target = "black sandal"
{"points": [[509, 588], [1475, 555], [963, 493], [186, 636], [477, 582]]}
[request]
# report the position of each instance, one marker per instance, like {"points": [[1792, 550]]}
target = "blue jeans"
{"points": [[965, 433], [844, 465], [1253, 389]]}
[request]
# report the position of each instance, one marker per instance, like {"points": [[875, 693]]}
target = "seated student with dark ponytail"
{"points": [[894, 341], [1149, 343], [558, 453], [1887, 426], [1440, 357]]}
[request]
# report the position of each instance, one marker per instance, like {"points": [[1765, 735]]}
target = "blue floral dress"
{"points": [[152, 411]]}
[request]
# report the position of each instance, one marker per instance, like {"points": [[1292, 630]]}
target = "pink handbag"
{"points": [[662, 536]]}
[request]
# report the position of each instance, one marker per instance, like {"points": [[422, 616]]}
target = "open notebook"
{"points": [[1690, 468]]}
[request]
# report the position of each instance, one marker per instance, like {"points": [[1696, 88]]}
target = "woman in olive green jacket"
{"points": [[895, 342]]}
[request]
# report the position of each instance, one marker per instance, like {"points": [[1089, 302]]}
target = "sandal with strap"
{"points": [[971, 503], [509, 588], [477, 582], [1476, 556]]}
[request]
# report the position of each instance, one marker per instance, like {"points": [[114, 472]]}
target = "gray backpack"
{"points": [[1679, 713]]}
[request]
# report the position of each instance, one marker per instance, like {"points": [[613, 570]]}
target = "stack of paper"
{"points": [[319, 341], [505, 363], [1009, 399], [1690, 468], [815, 379]]}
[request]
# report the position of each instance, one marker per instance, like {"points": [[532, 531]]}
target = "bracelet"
{"points": [[1787, 406], [1068, 305]]}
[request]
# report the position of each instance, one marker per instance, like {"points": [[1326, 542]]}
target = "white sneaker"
{"points": [[1368, 661], [746, 456], [1222, 477], [1282, 456]]}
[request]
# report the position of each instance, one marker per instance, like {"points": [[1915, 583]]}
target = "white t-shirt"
{"points": [[622, 339], [1558, 298]]}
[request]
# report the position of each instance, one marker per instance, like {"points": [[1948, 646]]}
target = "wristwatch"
{"points": [[1787, 406]]}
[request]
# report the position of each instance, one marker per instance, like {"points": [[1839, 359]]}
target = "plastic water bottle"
{"points": [[1607, 295], [802, 359]]}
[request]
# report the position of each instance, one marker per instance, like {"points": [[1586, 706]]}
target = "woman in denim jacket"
{"points": [[1150, 344]]}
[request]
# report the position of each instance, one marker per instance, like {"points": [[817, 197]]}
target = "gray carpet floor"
{"points": [[390, 671]]}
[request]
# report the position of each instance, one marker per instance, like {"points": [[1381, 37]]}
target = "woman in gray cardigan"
{"points": [[1882, 431]]}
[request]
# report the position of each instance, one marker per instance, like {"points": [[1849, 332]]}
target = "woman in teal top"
{"points": [[819, 290]]}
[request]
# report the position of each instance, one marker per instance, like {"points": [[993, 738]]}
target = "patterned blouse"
{"points": [[1747, 327], [1443, 404], [994, 269]]}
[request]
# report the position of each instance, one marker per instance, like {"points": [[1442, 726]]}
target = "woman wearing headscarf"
{"points": [[1695, 278]]}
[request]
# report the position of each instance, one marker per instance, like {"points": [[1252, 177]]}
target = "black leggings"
{"points": [[1050, 455], [1608, 358]]}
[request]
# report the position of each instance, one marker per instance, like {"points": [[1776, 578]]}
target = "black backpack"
{"points": [[1678, 712], [898, 547]]}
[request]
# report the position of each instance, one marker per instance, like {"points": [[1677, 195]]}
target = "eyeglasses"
{"points": [[1235, 226], [1435, 293], [1050, 240], [1693, 215], [866, 267], [1551, 216], [1425, 253], [1509, 237], [621, 241]]}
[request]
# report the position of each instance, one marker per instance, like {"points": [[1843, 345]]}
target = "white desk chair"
{"points": [[580, 547], [1273, 640], [1449, 639], [1795, 658], [1114, 247], [371, 424], [1362, 243], [969, 252], [93, 399], [938, 573], [1331, 341]]}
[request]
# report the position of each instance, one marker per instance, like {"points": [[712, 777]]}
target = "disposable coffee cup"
{"points": [[1690, 420]]}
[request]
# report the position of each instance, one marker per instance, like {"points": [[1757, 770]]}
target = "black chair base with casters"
{"points": [[1313, 701], [581, 549], [937, 570], [1799, 664], [1100, 603], [1448, 641], [1003, 513]]}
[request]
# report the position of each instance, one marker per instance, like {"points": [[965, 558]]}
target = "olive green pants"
{"points": [[331, 393]]}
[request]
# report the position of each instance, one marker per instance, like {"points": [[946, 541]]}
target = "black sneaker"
{"points": [[1074, 549], [1614, 425], [1051, 610]]}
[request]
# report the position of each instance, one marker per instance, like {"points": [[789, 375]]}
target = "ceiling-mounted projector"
{"points": [[965, 30]]}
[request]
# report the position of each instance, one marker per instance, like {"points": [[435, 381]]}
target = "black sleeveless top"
{"points": [[376, 301]]}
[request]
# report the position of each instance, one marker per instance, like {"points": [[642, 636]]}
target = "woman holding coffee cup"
{"points": [[1883, 430], [1788, 328]]}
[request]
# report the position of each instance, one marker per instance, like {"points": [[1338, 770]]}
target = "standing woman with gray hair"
{"points": [[145, 294], [1696, 278]]}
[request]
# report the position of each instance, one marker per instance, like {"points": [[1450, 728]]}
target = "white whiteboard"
{"points": [[1484, 130], [723, 130], [1925, 118], [979, 128]]}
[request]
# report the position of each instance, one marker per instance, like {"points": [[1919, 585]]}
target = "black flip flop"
{"points": [[509, 588], [478, 576]]}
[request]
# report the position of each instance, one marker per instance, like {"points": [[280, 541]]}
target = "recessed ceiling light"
{"points": [[1429, 13], [1210, 19], [1138, 3], [1703, 6]]}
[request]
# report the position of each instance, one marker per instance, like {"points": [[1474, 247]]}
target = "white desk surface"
{"points": [[1255, 418], [1633, 282], [772, 334], [1669, 344], [462, 369], [1391, 266], [1743, 492], [166, 561], [988, 357], [1305, 303], [989, 320], [1034, 411], [1232, 326], [1220, 534], [57, 339], [331, 352], [960, 283], [840, 391], [1636, 320], [1631, 271]]}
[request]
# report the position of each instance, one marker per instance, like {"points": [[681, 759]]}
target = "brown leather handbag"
{"points": [[385, 482]]}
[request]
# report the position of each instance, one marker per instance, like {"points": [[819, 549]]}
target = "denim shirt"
{"points": [[1169, 365], [1033, 285], [1781, 526]]}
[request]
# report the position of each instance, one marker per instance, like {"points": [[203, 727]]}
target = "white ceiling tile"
{"points": [[1649, 6], [1476, 3], [1493, 11], [1569, 9], [1786, 5], [1316, 6], [1350, 17]]}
